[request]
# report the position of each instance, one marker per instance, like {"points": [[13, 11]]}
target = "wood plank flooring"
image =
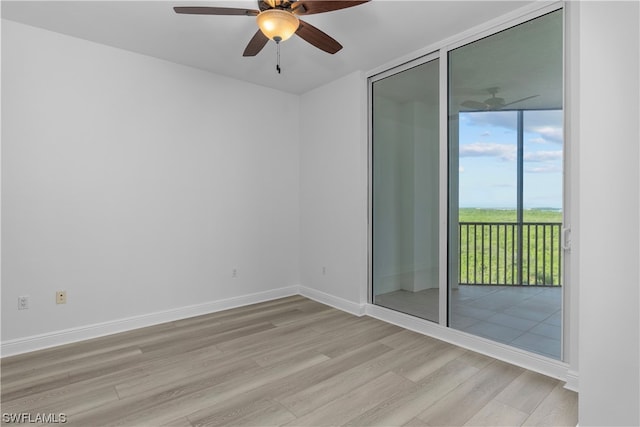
{"points": [[287, 362]]}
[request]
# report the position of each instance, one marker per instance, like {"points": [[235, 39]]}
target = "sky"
{"points": [[488, 166]]}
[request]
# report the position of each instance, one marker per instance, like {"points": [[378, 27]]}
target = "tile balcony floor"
{"points": [[525, 317]]}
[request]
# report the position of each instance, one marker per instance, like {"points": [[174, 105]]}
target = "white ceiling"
{"points": [[372, 34]]}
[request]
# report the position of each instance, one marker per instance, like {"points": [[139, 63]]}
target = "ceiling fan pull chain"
{"points": [[278, 57]]}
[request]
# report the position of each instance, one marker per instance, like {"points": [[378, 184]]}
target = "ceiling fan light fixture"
{"points": [[278, 25]]}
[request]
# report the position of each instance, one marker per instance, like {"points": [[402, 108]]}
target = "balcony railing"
{"points": [[503, 253]]}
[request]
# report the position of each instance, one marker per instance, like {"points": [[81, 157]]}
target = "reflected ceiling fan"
{"points": [[278, 20], [491, 104]]}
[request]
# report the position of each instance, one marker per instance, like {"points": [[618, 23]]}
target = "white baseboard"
{"points": [[333, 301], [543, 365], [524, 359], [67, 336], [572, 383]]}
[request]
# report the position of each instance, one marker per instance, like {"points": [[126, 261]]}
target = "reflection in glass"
{"points": [[405, 188]]}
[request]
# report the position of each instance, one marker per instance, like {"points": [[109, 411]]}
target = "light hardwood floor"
{"points": [[290, 362]]}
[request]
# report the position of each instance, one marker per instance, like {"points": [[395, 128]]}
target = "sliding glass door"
{"points": [[405, 186], [505, 186], [488, 209]]}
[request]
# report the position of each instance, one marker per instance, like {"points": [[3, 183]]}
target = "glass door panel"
{"points": [[405, 189], [505, 186]]}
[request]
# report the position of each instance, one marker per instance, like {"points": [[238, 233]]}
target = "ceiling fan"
{"points": [[278, 20], [491, 104]]}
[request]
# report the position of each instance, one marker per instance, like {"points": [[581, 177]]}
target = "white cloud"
{"points": [[503, 119], [543, 156], [488, 149], [537, 141], [547, 124], [461, 169], [549, 133], [543, 169]]}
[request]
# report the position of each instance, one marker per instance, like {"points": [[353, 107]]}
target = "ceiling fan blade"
{"points": [[318, 38], [309, 7], [205, 10], [256, 44], [475, 105], [520, 100]]}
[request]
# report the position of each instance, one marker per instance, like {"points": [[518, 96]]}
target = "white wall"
{"points": [[393, 186], [405, 185], [333, 189], [137, 185], [609, 323]]}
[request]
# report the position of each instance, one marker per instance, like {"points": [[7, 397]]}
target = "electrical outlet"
{"points": [[23, 302], [61, 297], [234, 273], [324, 270]]}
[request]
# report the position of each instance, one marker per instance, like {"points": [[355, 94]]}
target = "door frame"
{"points": [[557, 369]]}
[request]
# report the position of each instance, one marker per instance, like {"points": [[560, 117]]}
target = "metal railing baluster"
{"points": [[487, 252]]}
